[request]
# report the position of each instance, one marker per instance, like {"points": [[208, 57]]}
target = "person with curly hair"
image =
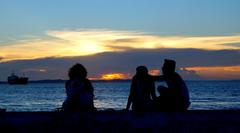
{"points": [[79, 90]]}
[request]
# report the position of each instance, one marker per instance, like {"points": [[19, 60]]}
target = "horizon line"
{"points": [[113, 80]]}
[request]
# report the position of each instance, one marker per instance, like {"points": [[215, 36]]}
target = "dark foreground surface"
{"points": [[117, 121]]}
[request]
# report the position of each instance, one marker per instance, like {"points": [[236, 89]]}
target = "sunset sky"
{"points": [[43, 38]]}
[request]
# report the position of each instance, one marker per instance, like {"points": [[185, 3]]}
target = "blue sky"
{"points": [[165, 17], [34, 29]]}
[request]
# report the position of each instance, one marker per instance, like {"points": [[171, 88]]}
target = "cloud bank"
{"points": [[189, 63], [88, 42]]}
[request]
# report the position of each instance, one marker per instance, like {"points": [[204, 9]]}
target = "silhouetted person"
{"points": [[79, 90], [174, 97], [142, 91]]}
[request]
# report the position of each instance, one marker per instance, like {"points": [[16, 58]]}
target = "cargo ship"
{"points": [[14, 79]]}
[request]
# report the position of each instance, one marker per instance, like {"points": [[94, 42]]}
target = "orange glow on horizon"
{"points": [[154, 72], [217, 72], [114, 76], [93, 78], [215, 68]]}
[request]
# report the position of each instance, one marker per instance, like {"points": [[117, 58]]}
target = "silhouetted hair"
{"points": [[77, 71], [142, 70], [169, 65]]}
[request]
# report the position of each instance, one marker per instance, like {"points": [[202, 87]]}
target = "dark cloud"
{"points": [[1, 58], [120, 47], [125, 62], [126, 40], [232, 44], [115, 43]]}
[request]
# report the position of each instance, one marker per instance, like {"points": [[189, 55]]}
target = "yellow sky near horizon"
{"points": [[88, 42]]}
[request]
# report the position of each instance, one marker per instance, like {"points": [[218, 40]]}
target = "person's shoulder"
{"points": [[134, 77], [177, 75], [86, 80], [67, 82], [151, 77]]}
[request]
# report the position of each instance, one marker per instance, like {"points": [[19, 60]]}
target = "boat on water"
{"points": [[14, 79]]}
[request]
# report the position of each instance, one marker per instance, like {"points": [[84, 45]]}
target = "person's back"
{"points": [[142, 91], [79, 91], [179, 90], [79, 95], [174, 97]]}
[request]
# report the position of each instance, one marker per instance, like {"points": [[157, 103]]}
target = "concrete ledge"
{"points": [[117, 121]]}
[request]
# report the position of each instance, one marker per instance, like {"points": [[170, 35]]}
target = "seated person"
{"points": [[142, 91], [174, 97], [79, 90]]}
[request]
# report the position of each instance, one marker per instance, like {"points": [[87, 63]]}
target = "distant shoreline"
{"points": [[63, 81], [117, 80]]}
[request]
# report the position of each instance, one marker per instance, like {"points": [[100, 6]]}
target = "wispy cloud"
{"points": [[87, 42]]}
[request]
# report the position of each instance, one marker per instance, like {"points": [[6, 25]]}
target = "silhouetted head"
{"points": [[77, 71], [168, 67], [142, 71]]}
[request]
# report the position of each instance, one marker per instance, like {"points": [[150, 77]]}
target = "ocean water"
{"points": [[204, 95]]}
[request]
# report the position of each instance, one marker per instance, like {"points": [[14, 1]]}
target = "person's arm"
{"points": [[129, 102], [130, 97], [89, 87], [158, 78], [67, 90], [153, 92]]}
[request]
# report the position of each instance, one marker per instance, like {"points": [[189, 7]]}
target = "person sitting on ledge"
{"points": [[142, 91], [79, 91], [174, 97]]}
